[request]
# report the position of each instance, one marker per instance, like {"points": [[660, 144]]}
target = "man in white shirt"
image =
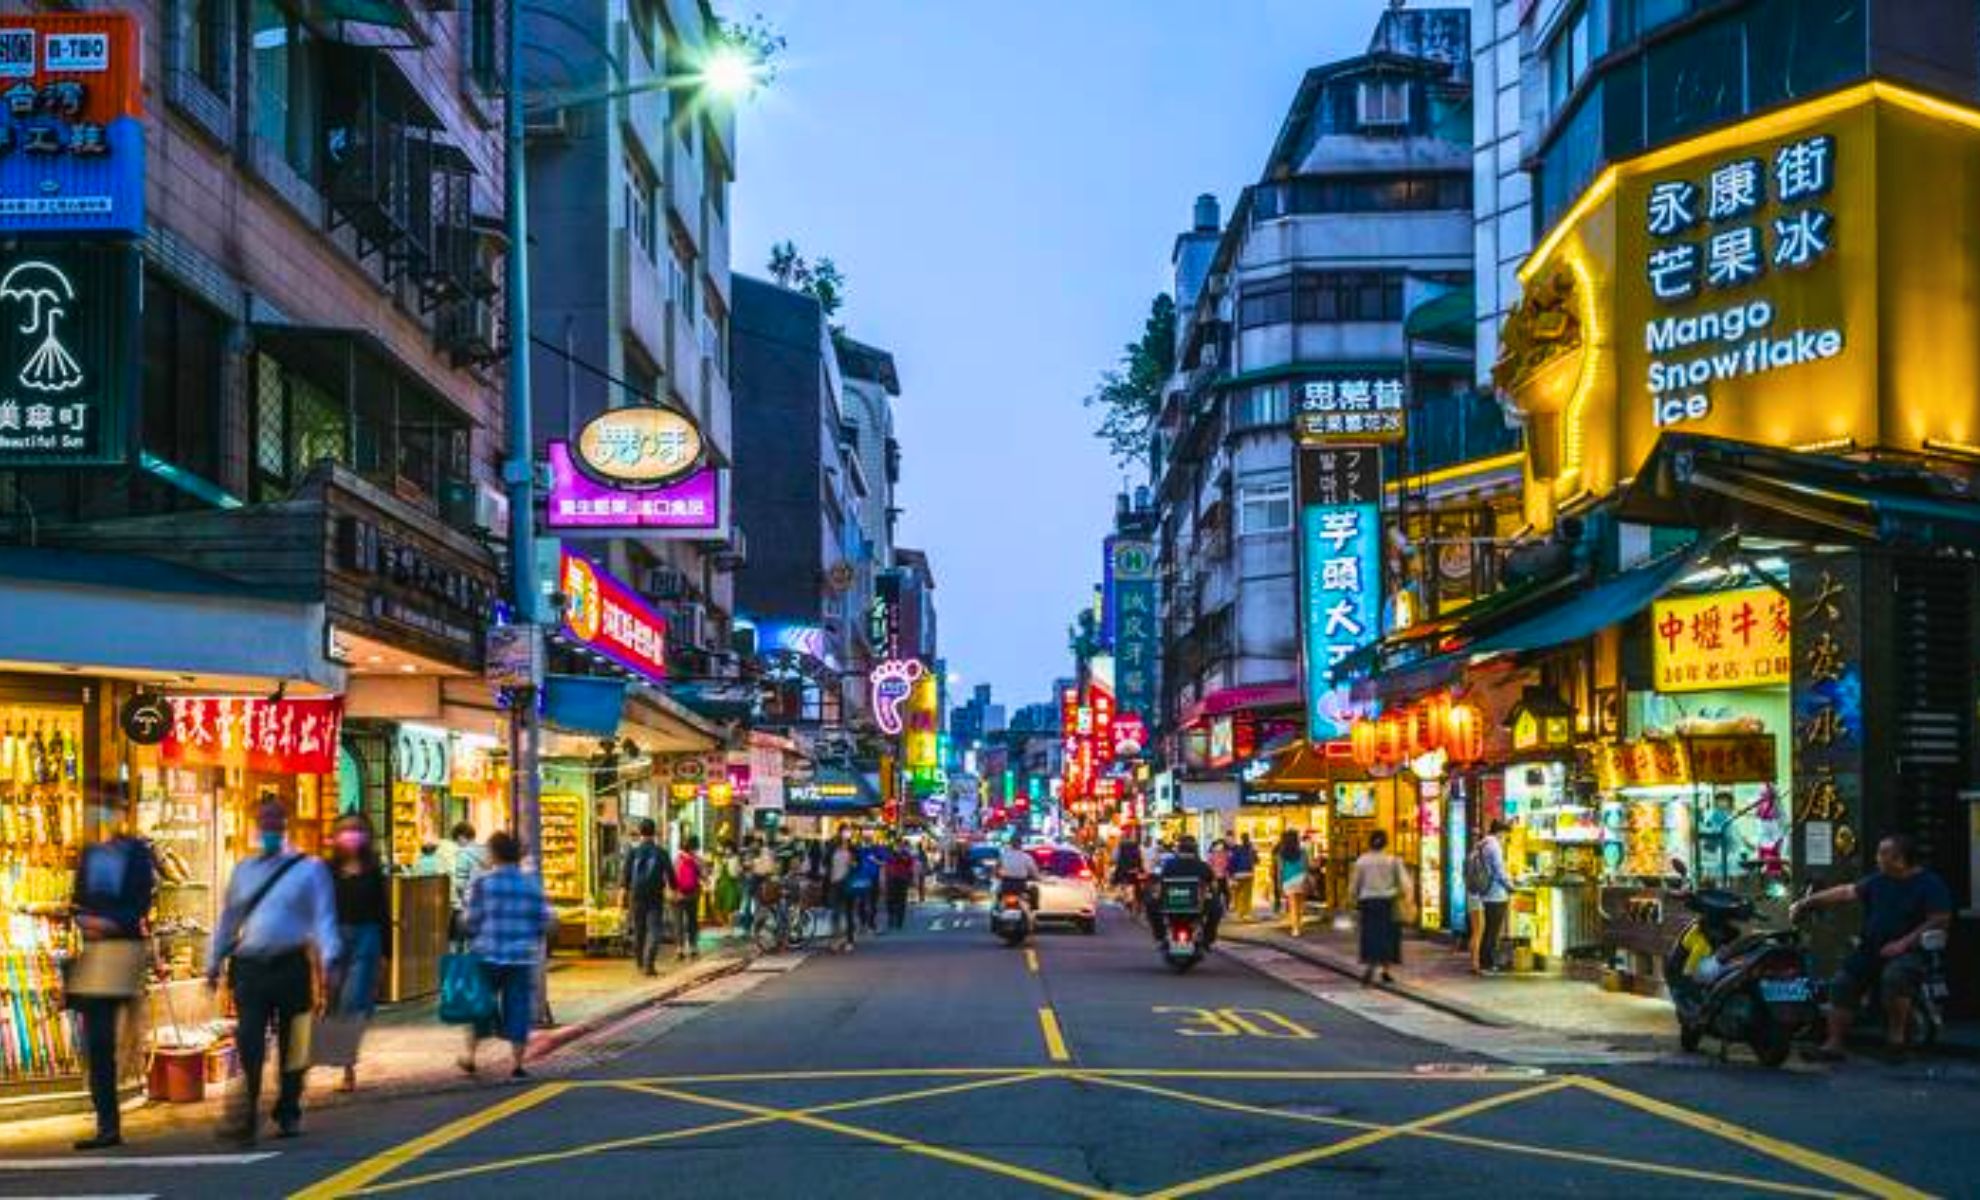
{"points": [[280, 905], [1017, 871]]}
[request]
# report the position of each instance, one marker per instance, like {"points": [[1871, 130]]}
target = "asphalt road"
{"points": [[939, 1059]]}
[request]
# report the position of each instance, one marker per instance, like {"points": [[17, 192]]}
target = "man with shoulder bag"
{"points": [[648, 876], [280, 905], [115, 883]]}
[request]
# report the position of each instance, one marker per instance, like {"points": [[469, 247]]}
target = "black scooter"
{"points": [[1757, 988], [1181, 920]]}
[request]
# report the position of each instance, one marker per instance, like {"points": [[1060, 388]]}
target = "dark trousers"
{"points": [[897, 898], [1495, 928], [100, 1018], [869, 909], [275, 991], [845, 912], [687, 910], [649, 930]]}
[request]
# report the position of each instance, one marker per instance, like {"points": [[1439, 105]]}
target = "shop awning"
{"points": [[1589, 611], [1301, 767], [1252, 696], [1717, 483], [120, 614]]}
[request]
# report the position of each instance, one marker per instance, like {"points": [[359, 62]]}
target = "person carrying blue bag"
{"points": [[508, 924]]}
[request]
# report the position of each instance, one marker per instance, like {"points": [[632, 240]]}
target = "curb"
{"points": [[546, 1042], [1342, 967]]}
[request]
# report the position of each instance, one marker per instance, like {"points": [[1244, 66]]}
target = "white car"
{"points": [[1068, 890]]}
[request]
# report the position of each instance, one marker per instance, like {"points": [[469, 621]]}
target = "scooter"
{"points": [[1928, 1007], [1181, 921], [1736, 986], [1010, 915]]}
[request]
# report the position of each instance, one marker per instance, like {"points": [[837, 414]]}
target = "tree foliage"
{"points": [[819, 279], [758, 41], [1129, 396]]}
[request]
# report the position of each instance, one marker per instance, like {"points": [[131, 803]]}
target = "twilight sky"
{"points": [[1001, 184]]}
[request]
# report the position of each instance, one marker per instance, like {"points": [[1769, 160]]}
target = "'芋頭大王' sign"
{"points": [[1734, 639], [1340, 523], [68, 312]]}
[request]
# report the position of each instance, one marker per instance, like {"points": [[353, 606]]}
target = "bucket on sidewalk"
{"points": [[178, 1075]]}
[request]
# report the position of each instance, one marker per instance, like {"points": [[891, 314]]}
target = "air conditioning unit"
{"points": [[491, 509], [666, 583]]}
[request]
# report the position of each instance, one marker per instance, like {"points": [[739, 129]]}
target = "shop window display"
{"points": [[41, 832]]}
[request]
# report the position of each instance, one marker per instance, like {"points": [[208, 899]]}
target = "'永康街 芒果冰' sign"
{"points": [[643, 446], [1736, 639], [605, 616]]}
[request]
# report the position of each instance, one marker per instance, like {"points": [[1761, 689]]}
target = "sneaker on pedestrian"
{"points": [[100, 1141]]}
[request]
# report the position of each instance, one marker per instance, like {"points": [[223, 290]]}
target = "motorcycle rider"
{"points": [[1901, 902], [1128, 868], [1018, 872], [1185, 864]]}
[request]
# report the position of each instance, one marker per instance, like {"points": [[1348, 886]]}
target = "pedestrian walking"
{"points": [[840, 871], [648, 875], [1380, 887], [509, 922], [688, 870], [900, 874], [922, 867], [1244, 870], [1490, 889], [115, 882], [364, 925], [728, 892], [280, 906], [1219, 860], [466, 861], [1291, 877]]}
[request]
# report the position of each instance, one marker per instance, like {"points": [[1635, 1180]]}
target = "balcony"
{"points": [[380, 158]]}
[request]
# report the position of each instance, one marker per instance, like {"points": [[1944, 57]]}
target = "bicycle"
{"points": [[782, 923]]}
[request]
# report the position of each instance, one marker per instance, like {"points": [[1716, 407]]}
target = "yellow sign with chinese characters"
{"points": [[1734, 639], [1802, 279]]}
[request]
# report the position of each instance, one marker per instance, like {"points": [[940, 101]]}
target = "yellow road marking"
{"points": [[678, 1135], [1460, 1139], [905, 1145], [1521, 1075], [352, 1178], [1031, 960], [1861, 1178], [1055, 1041], [1359, 1141]]}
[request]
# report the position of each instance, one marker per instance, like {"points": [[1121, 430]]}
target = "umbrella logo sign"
{"points": [[46, 295]]}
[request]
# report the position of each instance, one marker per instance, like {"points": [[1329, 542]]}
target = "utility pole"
{"points": [[520, 471]]}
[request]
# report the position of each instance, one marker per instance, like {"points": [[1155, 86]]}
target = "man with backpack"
{"points": [[1490, 890], [647, 878]]}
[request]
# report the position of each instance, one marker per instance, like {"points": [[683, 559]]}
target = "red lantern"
{"points": [[1465, 733], [1389, 740]]}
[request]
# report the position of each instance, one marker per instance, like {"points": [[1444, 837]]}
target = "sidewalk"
{"points": [[407, 1049], [1440, 976]]}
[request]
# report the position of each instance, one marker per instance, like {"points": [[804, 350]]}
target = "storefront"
{"points": [[820, 805]]}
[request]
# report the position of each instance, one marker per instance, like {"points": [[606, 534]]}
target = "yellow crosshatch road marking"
{"points": [[1055, 1041], [368, 1177]]}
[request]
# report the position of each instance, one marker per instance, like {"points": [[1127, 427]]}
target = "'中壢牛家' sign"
{"points": [[1736, 639]]}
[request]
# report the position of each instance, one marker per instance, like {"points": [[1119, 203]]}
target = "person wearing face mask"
{"points": [[280, 906], [364, 922]]}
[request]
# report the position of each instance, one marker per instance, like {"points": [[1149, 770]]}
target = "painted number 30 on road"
{"points": [[1237, 1022]]}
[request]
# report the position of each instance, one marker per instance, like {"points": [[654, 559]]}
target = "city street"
{"points": [[940, 1059]]}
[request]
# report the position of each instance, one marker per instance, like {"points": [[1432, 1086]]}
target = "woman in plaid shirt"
{"points": [[508, 921]]}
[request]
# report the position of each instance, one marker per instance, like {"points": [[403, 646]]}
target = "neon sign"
{"points": [[892, 683]]}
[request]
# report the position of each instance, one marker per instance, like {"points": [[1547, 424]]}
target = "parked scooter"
{"points": [[1928, 1006], [1180, 915], [1737, 986]]}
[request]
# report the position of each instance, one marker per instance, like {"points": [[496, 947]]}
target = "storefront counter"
{"points": [[1554, 917], [420, 907]]}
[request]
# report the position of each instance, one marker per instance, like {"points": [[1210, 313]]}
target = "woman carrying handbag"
{"points": [[1380, 887], [364, 920]]}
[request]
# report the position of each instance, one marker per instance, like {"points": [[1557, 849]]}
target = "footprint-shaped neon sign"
{"points": [[892, 682]]}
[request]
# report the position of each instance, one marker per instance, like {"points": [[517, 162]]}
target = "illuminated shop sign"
{"points": [[1341, 574], [1360, 409], [1734, 639], [68, 313], [1721, 232], [579, 501], [1130, 626], [286, 737], [892, 682], [606, 616], [71, 140], [639, 447]]}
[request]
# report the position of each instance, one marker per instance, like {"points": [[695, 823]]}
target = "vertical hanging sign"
{"points": [[1827, 605], [1340, 523], [1130, 627], [68, 315]]}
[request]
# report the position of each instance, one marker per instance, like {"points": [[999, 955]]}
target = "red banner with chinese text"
{"points": [[286, 737]]}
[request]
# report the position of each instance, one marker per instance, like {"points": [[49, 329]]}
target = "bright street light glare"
{"points": [[729, 72]]}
